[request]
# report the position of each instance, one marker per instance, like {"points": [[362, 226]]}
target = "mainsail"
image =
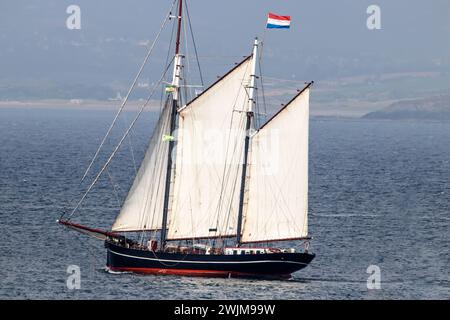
{"points": [[206, 182], [143, 206], [277, 205], [209, 153]]}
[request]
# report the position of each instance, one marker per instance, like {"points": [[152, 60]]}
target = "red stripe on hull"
{"points": [[194, 273]]}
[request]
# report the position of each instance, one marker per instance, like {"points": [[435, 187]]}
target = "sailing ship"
{"points": [[215, 195]]}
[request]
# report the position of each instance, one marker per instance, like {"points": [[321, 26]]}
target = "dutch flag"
{"points": [[278, 22]]}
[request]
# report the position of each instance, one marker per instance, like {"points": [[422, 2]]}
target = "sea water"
{"points": [[379, 198]]}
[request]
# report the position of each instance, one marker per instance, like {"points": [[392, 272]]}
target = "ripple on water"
{"points": [[378, 195]]}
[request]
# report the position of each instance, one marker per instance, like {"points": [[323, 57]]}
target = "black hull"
{"points": [[271, 265]]}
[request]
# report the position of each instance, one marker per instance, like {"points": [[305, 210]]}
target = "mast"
{"points": [[248, 125], [175, 97]]}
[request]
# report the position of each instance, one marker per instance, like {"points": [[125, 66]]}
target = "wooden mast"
{"points": [[248, 125], [175, 98]]}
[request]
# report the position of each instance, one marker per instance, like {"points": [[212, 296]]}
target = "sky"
{"points": [[328, 39]]}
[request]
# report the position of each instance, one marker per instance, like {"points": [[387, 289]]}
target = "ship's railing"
{"points": [[203, 248]]}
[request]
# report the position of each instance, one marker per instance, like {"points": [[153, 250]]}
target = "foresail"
{"points": [[209, 154], [277, 207], [143, 206]]}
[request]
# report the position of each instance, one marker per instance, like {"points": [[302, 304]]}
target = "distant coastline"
{"points": [[435, 108], [432, 108]]}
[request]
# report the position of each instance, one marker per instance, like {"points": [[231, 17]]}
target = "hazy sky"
{"points": [[327, 39]]}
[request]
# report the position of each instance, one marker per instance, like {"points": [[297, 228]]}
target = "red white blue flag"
{"points": [[278, 22]]}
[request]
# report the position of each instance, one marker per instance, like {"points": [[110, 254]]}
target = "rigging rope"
{"points": [[114, 187], [226, 174], [188, 65], [164, 105], [118, 145], [195, 46], [125, 100], [169, 49], [262, 86], [130, 143]]}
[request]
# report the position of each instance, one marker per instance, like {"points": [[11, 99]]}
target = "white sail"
{"points": [[277, 190], [143, 206], [209, 154]]}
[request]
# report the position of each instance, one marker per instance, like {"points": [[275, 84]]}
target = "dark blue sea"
{"points": [[379, 195]]}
